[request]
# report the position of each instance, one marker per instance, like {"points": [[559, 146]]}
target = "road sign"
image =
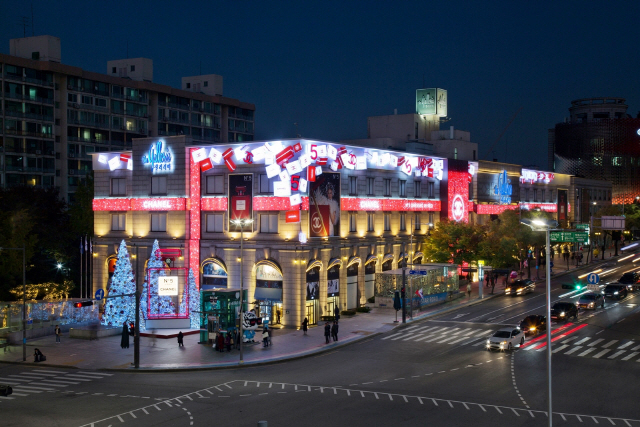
{"points": [[582, 226], [593, 279], [593, 288], [569, 236], [99, 294], [418, 272]]}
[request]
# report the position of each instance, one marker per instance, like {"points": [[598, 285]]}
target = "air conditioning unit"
{"points": [[38, 152]]}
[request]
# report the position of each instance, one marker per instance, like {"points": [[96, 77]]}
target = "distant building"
{"points": [[599, 141], [53, 116]]}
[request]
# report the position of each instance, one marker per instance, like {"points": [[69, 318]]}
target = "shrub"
{"points": [[363, 309], [372, 300], [348, 312]]}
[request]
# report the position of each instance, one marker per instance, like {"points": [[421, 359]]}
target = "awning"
{"points": [[387, 257], [314, 263], [333, 262], [418, 255], [370, 259], [354, 260]]}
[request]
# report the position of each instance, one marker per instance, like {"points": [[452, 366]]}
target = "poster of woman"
{"points": [[324, 206]]}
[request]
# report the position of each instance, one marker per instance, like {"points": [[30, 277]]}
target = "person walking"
{"points": [[124, 342], [227, 341], [336, 313], [493, 282], [327, 332], [220, 342], [278, 313], [270, 332], [180, 339], [237, 339], [334, 331], [58, 333], [469, 289], [486, 278], [265, 338], [305, 325]]}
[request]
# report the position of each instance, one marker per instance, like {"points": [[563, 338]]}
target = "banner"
{"points": [[268, 283], [313, 284], [324, 206], [562, 205], [240, 200], [333, 281]]}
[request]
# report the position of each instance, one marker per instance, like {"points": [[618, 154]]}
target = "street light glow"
{"points": [[59, 266], [539, 222]]}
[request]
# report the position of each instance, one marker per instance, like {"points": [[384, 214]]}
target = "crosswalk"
{"points": [[441, 335], [597, 348], [37, 381]]}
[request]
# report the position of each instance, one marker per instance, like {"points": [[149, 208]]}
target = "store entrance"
{"points": [[312, 312], [332, 303]]}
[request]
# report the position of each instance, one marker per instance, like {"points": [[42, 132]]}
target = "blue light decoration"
{"points": [[504, 188], [119, 309], [159, 158]]}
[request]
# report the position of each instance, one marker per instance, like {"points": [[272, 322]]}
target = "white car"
{"points": [[505, 339]]}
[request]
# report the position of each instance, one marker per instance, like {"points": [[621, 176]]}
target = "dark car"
{"points": [[615, 291], [520, 287], [591, 300], [562, 311], [632, 280], [534, 324]]}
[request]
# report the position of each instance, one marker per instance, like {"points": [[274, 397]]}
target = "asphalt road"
{"points": [[434, 372]]}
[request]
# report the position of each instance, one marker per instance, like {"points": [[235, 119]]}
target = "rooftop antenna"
{"points": [[24, 21], [33, 29]]}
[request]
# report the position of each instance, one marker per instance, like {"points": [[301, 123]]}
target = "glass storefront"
{"points": [[268, 292], [313, 292], [214, 274]]}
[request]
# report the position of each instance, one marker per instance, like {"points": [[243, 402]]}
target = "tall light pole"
{"points": [[24, 299], [241, 223], [546, 226]]}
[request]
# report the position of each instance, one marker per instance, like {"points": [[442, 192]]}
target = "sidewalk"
{"points": [[106, 353]]}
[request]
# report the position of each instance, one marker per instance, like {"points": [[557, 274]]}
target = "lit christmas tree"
{"points": [[120, 309], [143, 307], [158, 305], [193, 293]]}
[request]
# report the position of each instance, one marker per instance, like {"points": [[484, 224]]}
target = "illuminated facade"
{"points": [[326, 216]]}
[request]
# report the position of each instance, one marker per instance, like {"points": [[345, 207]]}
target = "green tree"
{"points": [[454, 241]]}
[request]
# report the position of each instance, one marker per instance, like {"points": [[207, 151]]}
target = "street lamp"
{"points": [[24, 300], [547, 226], [241, 223]]}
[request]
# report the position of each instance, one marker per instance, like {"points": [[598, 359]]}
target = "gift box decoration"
{"points": [[311, 174], [284, 155], [206, 164], [297, 147], [125, 157], [199, 155], [302, 185], [215, 156]]}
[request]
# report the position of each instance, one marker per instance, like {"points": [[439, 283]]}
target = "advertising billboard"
{"points": [[441, 102], [240, 200], [426, 101], [333, 281], [313, 284], [324, 206], [562, 205]]}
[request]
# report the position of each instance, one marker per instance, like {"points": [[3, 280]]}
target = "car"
{"points": [[632, 280], [533, 324], [615, 291], [590, 300], [505, 339], [520, 287], [563, 311]]}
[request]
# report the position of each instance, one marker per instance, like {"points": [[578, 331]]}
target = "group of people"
{"points": [[266, 337], [227, 341], [331, 331]]}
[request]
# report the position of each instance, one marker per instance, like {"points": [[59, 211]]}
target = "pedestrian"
{"points": [[227, 341], [231, 340], [486, 278], [305, 325], [237, 339], [58, 333], [278, 316], [327, 332], [270, 332], [336, 313], [334, 331], [469, 289], [493, 282], [180, 339], [153, 338], [38, 356], [265, 338], [124, 342], [220, 342], [504, 279]]}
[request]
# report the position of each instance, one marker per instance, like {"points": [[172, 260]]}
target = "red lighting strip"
{"points": [[541, 337], [398, 205], [577, 328], [159, 204], [494, 209], [213, 203], [194, 216], [111, 204], [546, 207], [273, 203]]}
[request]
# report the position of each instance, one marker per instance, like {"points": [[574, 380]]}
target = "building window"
{"points": [[353, 186], [535, 194], [552, 199], [387, 187], [215, 184], [188, 85], [416, 131], [430, 219], [113, 70], [265, 184], [526, 194], [403, 221], [352, 222], [542, 199], [402, 188], [430, 190], [133, 68], [370, 186], [474, 154], [118, 221], [215, 223], [370, 221], [455, 152], [118, 186], [417, 189], [159, 221], [206, 83], [417, 226], [269, 223], [387, 221], [159, 185]]}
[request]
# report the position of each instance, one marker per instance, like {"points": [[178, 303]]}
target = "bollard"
{"points": [[262, 424]]}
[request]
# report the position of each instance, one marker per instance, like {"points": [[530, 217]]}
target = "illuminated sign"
{"points": [[458, 208], [165, 204], [531, 176], [503, 188], [168, 286], [356, 204], [159, 158], [426, 101], [457, 191]]}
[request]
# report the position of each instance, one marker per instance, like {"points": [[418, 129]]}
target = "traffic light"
{"points": [[576, 286], [83, 304], [402, 292]]}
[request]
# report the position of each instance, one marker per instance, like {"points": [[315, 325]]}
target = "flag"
{"points": [[81, 247], [85, 242], [90, 246], [419, 293]]}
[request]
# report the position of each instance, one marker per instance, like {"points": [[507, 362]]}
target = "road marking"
{"points": [[626, 345], [587, 351], [581, 341], [574, 349], [460, 315], [94, 373], [446, 339], [616, 354], [569, 340], [602, 353], [630, 356], [562, 347], [609, 344], [599, 340]]}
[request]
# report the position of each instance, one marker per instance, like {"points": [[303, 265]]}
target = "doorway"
{"points": [[312, 312]]}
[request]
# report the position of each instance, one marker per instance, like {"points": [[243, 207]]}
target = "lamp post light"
{"points": [[546, 226], [24, 299], [241, 223]]}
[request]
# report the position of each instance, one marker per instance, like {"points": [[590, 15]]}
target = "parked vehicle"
{"points": [[505, 339]]}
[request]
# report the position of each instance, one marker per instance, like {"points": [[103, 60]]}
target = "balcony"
{"points": [[92, 123], [27, 133], [11, 168], [140, 99], [38, 82]]}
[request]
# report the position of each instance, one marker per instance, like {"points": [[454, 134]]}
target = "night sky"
{"points": [[329, 65]]}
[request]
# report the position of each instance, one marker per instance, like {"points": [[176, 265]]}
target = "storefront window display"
{"points": [[313, 292], [370, 276], [214, 274], [268, 292], [333, 286]]}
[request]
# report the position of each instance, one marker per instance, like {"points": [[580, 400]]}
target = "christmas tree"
{"points": [[143, 307], [118, 310], [191, 292], [158, 305]]}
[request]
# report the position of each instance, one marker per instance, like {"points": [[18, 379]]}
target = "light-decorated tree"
{"points": [[158, 305], [142, 320], [191, 292], [119, 309]]}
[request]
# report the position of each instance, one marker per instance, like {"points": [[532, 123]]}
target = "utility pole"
{"points": [[136, 323], [404, 284]]}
